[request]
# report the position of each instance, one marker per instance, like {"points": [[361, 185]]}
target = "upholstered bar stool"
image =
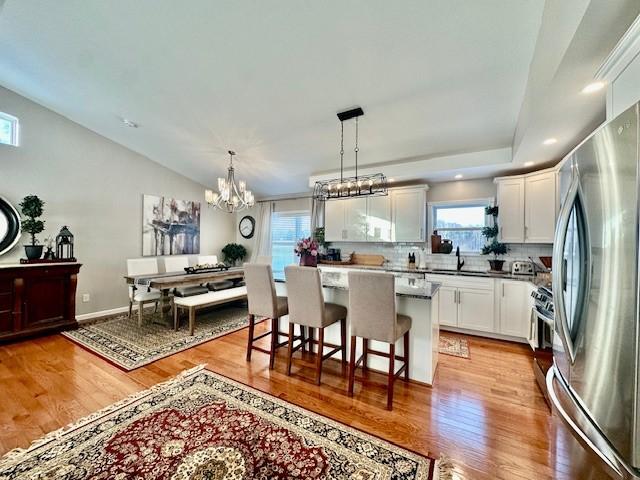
{"points": [[307, 308], [372, 316], [263, 302]]}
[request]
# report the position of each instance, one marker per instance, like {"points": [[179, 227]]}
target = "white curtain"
{"points": [[263, 232]]}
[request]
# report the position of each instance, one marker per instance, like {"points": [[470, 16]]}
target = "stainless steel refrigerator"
{"points": [[594, 381]]}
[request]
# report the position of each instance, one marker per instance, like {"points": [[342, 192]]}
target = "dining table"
{"points": [[167, 281]]}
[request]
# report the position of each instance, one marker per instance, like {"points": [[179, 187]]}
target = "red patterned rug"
{"points": [[201, 425]]}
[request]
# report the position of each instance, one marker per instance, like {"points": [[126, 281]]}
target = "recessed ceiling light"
{"points": [[458, 176], [593, 87], [129, 123], [550, 141], [529, 164], [391, 180]]}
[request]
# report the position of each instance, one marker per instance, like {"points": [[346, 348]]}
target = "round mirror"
{"points": [[9, 226]]}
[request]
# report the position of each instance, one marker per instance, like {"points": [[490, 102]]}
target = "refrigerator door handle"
{"points": [[559, 273], [591, 438]]}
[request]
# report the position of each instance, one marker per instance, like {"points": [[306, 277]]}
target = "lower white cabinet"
{"points": [[448, 309], [490, 306], [475, 309], [514, 307]]}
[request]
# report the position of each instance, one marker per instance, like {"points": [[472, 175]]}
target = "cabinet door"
{"points": [[511, 210], [355, 219], [334, 226], [448, 309], [514, 308], [408, 215], [540, 208], [379, 219], [475, 309]]}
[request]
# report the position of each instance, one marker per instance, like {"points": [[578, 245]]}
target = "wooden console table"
{"points": [[37, 298]]}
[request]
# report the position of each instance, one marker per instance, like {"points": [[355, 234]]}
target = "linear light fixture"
{"points": [[348, 187]]}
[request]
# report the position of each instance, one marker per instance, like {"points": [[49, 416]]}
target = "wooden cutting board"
{"points": [[366, 259]]}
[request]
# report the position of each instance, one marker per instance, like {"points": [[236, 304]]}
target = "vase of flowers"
{"points": [[307, 250]]}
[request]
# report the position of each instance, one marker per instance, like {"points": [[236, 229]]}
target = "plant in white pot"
{"points": [[32, 208], [493, 246]]}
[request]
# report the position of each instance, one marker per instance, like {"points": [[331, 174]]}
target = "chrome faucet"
{"points": [[460, 264]]}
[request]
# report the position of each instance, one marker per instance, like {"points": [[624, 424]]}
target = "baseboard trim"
{"points": [[86, 317], [478, 333]]}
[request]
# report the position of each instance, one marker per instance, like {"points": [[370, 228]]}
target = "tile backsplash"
{"points": [[397, 254]]}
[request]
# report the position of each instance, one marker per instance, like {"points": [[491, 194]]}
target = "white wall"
{"points": [[94, 186], [462, 190]]}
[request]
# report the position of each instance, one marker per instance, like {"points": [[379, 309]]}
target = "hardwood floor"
{"points": [[486, 413]]}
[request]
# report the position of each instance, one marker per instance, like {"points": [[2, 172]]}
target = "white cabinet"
{"points": [[379, 219], [540, 207], [511, 210], [475, 309], [486, 306], [334, 221], [527, 207], [409, 214], [448, 308], [355, 219], [399, 217], [514, 307]]}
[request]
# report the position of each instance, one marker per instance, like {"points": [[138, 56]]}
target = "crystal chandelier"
{"points": [[348, 187], [230, 197]]}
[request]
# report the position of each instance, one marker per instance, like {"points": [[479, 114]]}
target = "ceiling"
{"points": [[435, 78]]}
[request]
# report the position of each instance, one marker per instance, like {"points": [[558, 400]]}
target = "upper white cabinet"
{"points": [[379, 226], [409, 214], [511, 210], [527, 207], [540, 207], [397, 217], [334, 221]]}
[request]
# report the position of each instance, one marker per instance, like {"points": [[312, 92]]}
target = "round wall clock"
{"points": [[247, 226], [9, 226]]}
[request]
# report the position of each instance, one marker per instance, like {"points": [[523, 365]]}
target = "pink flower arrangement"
{"points": [[306, 246]]}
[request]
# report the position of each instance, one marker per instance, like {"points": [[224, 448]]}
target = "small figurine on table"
{"points": [[49, 255]]}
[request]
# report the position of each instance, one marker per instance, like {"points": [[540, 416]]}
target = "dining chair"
{"points": [[142, 266], [307, 308], [373, 316], [263, 302]]}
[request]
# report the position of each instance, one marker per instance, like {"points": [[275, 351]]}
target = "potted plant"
{"points": [[307, 250], [493, 246], [233, 253], [32, 208]]}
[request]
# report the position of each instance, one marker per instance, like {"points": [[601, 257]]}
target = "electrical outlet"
{"points": [[86, 297]]}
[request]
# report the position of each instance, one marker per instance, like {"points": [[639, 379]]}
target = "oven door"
{"points": [[533, 329]]}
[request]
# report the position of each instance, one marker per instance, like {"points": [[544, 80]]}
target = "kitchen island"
{"points": [[416, 298]]}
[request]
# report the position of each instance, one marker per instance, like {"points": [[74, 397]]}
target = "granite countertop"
{"points": [[405, 287], [536, 280]]}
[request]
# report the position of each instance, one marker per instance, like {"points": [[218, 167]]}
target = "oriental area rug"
{"points": [[201, 425], [454, 346], [119, 340]]}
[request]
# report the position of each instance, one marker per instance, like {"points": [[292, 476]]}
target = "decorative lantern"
{"points": [[64, 245]]}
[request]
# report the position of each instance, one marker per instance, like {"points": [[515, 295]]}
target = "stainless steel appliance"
{"points": [[542, 320], [593, 383], [522, 268]]}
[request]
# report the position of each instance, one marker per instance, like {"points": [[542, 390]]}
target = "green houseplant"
{"points": [[493, 246], [233, 253], [32, 208]]}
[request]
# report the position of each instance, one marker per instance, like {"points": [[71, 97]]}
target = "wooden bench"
{"points": [[205, 300]]}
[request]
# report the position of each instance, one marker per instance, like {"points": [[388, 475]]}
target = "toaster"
{"points": [[522, 268]]}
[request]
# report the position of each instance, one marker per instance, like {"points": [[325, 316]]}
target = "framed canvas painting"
{"points": [[170, 226]]}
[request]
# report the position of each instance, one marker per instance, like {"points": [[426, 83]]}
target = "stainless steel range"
{"points": [[542, 320]]}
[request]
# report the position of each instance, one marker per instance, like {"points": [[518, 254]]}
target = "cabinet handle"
{"points": [[459, 297], [503, 289]]}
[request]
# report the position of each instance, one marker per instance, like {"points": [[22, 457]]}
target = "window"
{"points": [[8, 129], [461, 222], [286, 229]]}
